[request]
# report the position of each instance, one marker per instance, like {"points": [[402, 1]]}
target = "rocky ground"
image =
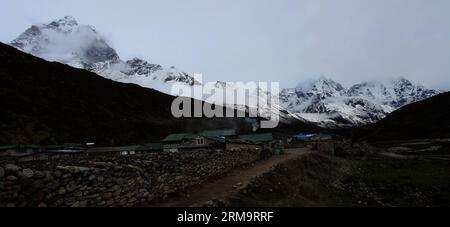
{"points": [[113, 180], [397, 174], [223, 191], [300, 182], [387, 174], [389, 182]]}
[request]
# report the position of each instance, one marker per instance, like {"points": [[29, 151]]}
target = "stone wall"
{"points": [[112, 180], [240, 146]]}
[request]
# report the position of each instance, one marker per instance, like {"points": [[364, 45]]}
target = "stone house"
{"points": [[250, 141], [123, 150], [193, 141], [18, 151]]}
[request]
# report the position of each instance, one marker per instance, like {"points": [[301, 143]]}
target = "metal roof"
{"points": [[7, 147], [151, 146], [113, 149], [261, 137], [20, 146], [302, 136], [65, 151], [175, 137], [212, 134], [219, 133]]}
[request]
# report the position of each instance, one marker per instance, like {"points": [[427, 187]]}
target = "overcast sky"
{"points": [[266, 40]]}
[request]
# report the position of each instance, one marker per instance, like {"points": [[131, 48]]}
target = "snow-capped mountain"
{"points": [[81, 46], [322, 101], [329, 104]]}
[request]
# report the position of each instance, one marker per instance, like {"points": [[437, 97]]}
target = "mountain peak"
{"points": [[65, 24], [328, 103], [322, 85], [81, 46], [67, 20], [402, 81]]}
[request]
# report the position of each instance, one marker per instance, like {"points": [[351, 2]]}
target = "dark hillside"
{"points": [[429, 118], [45, 103]]}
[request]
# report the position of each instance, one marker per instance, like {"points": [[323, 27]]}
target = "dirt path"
{"points": [[235, 180]]}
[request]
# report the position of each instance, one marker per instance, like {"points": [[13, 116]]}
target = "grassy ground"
{"points": [[382, 181]]}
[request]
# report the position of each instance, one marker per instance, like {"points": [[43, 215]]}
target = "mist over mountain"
{"points": [[81, 46], [321, 101], [329, 104], [49, 103]]}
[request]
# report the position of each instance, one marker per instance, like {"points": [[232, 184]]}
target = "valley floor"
{"points": [[397, 174], [402, 173], [392, 182], [388, 174]]}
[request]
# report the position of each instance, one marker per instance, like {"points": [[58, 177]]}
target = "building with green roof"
{"points": [[174, 137], [213, 139], [220, 133], [18, 150], [150, 147], [205, 139], [257, 137]]}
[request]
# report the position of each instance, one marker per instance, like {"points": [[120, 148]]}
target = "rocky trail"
{"points": [[230, 184]]}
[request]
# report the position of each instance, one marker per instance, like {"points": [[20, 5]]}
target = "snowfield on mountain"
{"points": [[81, 46], [323, 101], [329, 104]]}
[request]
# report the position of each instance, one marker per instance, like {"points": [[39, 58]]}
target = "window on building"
{"points": [[200, 141]]}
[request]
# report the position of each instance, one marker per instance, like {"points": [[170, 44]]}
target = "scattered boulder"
{"points": [[80, 203], [71, 187], [11, 178], [73, 169], [11, 169], [62, 191], [238, 185], [92, 178], [27, 173]]}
